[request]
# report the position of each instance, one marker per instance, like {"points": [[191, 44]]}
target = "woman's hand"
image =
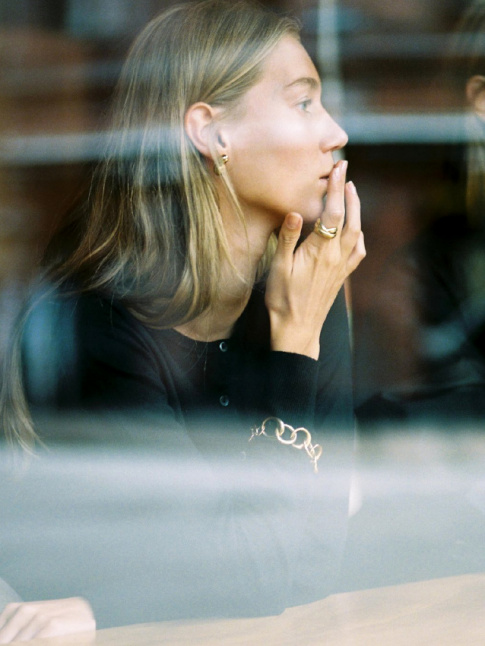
{"points": [[303, 285], [28, 620]]}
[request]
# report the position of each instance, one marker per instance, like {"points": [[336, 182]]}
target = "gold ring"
{"points": [[321, 230]]}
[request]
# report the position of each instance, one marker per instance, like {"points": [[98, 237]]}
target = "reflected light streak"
{"points": [[363, 128]]}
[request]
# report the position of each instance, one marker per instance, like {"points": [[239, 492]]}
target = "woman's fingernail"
{"points": [[292, 221], [336, 172], [351, 186]]}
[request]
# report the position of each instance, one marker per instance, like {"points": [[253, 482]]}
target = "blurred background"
{"points": [[394, 78], [387, 77]]}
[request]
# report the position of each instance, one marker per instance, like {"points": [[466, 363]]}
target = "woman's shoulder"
{"points": [[58, 309], [69, 335]]}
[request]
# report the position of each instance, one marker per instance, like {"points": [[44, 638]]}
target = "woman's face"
{"points": [[281, 141]]}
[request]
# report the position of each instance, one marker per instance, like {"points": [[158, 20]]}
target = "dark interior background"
{"points": [[382, 65]]}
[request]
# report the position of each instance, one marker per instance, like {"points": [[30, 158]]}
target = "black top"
{"points": [[89, 352], [271, 532]]}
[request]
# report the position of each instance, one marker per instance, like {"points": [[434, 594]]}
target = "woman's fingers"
{"points": [[343, 212], [358, 253], [334, 213], [24, 621], [352, 228], [352, 240], [287, 239], [15, 619], [7, 612]]}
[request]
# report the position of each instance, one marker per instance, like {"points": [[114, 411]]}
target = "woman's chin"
{"points": [[310, 216]]}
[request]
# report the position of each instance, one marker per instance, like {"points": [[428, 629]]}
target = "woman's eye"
{"points": [[304, 105]]}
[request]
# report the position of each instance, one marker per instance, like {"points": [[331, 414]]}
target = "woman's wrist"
{"points": [[295, 340]]}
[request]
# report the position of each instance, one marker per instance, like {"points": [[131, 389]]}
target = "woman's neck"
{"points": [[218, 322], [247, 245]]}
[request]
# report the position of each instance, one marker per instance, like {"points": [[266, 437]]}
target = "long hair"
{"points": [[150, 232]]}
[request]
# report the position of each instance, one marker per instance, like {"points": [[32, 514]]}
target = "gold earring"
{"points": [[220, 163]]}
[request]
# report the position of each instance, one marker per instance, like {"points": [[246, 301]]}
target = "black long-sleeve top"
{"points": [[271, 532]]}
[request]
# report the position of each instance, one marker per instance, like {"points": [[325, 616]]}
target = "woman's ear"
{"points": [[475, 93], [201, 127]]}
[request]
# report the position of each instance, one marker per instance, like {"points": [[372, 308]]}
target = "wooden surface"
{"points": [[441, 612]]}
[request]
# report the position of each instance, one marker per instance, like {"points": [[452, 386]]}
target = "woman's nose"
{"points": [[334, 137], [341, 135]]}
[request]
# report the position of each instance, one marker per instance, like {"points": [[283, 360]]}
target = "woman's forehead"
{"points": [[289, 66]]}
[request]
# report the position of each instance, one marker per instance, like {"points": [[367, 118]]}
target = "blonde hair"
{"points": [[150, 232], [153, 233]]}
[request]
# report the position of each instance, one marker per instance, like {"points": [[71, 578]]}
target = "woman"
{"points": [[170, 298]]}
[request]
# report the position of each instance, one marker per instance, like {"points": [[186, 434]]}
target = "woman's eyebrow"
{"points": [[311, 82]]}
